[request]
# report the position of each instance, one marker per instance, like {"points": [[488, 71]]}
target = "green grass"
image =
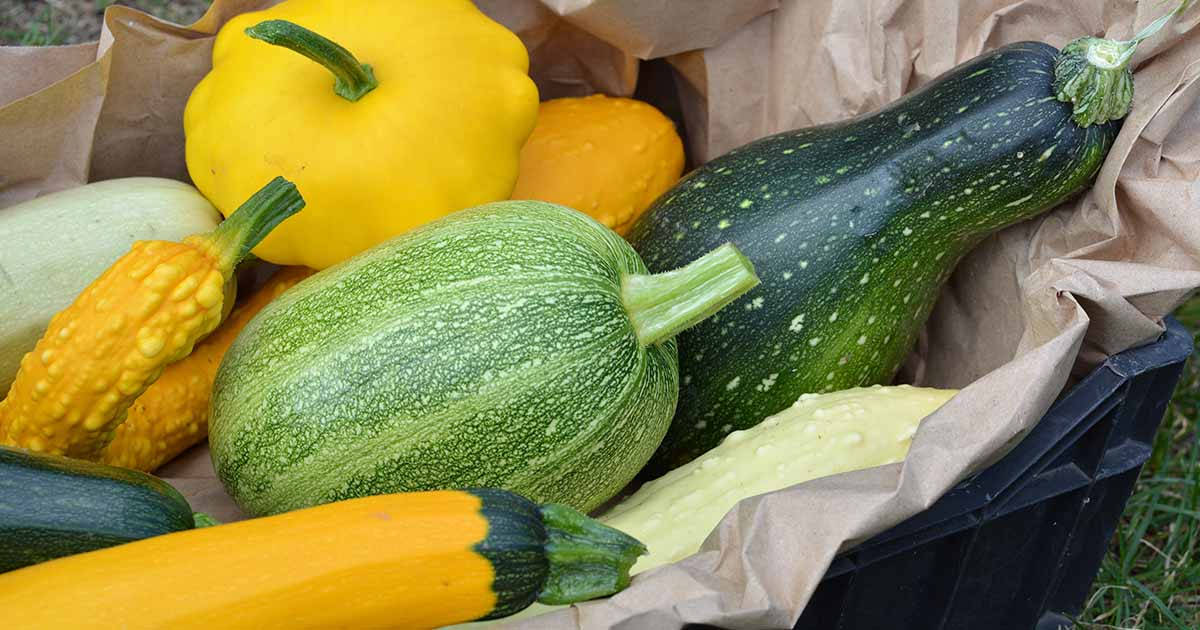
{"points": [[45, 29], [55, 22], [1150, 579]]}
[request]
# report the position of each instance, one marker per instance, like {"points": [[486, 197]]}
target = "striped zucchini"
{"points": [[414, 560], [518, 345], [53, 506], [854, 226]]}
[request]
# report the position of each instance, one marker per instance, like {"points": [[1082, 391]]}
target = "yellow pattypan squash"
{"points": [[431, 105], [609, 157]]}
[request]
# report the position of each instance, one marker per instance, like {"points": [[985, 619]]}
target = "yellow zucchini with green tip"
{"points": [[404, 561]]}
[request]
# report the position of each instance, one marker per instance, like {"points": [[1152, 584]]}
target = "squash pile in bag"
{"points": [[494, 316]]}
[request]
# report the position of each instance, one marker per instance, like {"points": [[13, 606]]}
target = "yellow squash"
{"points": [[172, 414], [431, 104], [402, 561], [608, 157], [143, 313]]}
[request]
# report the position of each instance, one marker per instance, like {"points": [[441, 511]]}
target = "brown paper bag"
{"points": [[1030, 307]]}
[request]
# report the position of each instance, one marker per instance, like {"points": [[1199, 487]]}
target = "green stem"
{"points": [[665, 304], [587, 559], [352, 80], [203, 520], [1093, 74], [254, 219]]}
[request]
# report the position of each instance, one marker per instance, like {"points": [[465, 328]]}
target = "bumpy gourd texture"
{"points": [[608, 157], [54, 245], [172, 414], [101, 353], [441, 132]]}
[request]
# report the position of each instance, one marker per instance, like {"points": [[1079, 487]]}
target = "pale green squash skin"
{"points": [[488, 349]]}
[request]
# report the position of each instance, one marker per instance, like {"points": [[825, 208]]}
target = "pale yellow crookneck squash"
{"points": [[605, 156], [820, 435], [143, 313], [401, 561], [386, 114], [172, 414]]}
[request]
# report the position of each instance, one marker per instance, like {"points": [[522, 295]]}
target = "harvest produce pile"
{"points": [[484, 319]]}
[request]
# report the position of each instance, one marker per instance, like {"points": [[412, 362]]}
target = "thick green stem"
{"points": [[1093, 74], [665, 304], [352, 79], [587, 559], [254, 219]]}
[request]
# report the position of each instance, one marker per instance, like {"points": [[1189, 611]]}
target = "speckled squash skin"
{"points": [[853, 228], [172, 414], [490, 348]]}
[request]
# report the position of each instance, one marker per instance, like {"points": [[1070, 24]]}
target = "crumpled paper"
{"points": [[1032, 308]]}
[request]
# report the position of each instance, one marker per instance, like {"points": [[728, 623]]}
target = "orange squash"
{"points": [[143, 313], [172, 414], [609, 157], [404, 561]]}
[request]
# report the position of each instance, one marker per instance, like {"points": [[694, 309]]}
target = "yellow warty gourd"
{"points": [[143, 313], [172, 414], [608, 157]]}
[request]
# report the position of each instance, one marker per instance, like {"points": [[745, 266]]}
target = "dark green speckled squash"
{"points": [[854, 226]]}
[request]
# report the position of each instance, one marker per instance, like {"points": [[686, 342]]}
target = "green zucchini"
{"points": [[53, 506], [517, 345], [853, 228]]}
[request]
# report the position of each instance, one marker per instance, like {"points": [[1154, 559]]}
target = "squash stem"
{"points": [[587, 559], [1093, 74], [665, 304], [352, 80], [200, 519], [253, 220]]}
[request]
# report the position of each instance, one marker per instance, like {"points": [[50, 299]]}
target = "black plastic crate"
{"points": [[1018, 545]]}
